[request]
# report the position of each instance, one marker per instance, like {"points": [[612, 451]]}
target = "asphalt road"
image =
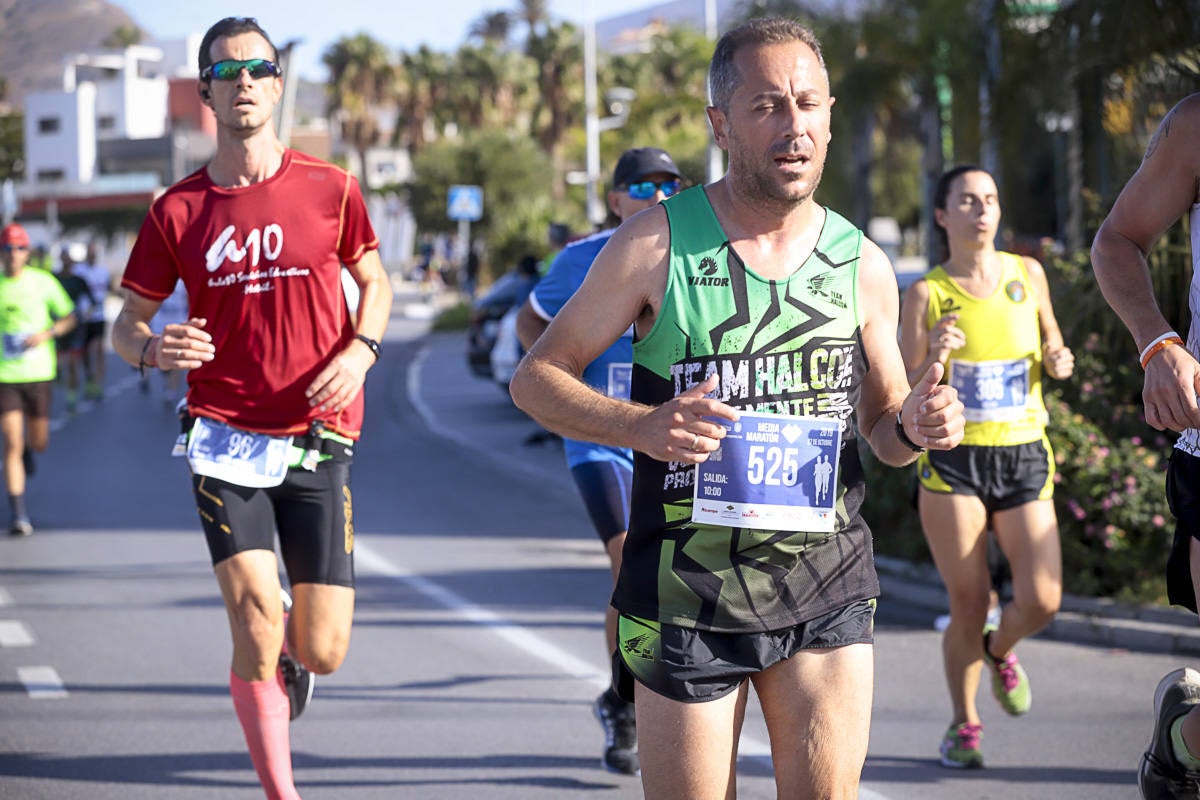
{"points": [[477, 642]]}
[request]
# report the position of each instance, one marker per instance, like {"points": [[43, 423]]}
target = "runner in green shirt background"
{"points": [[34, 309]]}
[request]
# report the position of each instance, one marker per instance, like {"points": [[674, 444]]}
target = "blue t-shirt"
{"points": [[610, 371]]}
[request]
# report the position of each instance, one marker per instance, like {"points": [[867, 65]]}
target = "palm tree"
{"points": [[422, 88], [535, 14], [492, 26], [558, 54], [361, 77]]}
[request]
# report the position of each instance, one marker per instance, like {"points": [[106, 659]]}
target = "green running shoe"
{"points": [[960, 747], [1010, 684]]}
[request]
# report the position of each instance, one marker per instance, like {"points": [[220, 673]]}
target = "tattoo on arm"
{"points": [[1164, 130]]}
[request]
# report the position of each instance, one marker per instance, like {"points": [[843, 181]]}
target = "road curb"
{"points": [[1086, 620]]}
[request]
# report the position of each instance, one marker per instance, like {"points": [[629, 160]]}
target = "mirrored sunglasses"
{"points": [[11, 247], [645, 190], [229, 69]]}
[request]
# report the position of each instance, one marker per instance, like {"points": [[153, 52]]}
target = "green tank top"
{"points": [[790, 346], [999, 371]]}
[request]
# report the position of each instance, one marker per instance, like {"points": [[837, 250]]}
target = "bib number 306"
{"points": [[772, 466]]}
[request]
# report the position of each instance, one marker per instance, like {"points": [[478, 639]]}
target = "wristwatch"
{"points": [[369, 342]]}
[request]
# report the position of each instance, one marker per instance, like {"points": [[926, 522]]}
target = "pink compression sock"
{"points": [[262, 708]]}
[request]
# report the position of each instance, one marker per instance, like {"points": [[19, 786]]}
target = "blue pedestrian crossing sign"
{"points": [[465, 203]]}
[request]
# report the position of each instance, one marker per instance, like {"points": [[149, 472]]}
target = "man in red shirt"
{"points": [[275, 363]]}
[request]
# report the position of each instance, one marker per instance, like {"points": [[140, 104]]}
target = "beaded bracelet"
{"points": [[1161, 343]]}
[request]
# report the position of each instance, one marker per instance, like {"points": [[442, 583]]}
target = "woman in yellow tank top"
{"points": [[987, 316]]}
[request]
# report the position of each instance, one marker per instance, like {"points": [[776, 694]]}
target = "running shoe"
{"points": [[297, 680], [1160, 775], [617, 718], [21, 526], [1010, 684], [960, 747]]}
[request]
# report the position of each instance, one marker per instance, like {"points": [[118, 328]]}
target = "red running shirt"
{"points": [[262, 264]]}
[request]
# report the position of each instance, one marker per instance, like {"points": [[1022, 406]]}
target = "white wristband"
{"points": [[1146, 350]]}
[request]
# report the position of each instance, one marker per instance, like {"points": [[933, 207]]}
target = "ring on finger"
{"points": [[695, 441]]}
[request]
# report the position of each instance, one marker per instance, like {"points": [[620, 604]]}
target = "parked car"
{"points": [[507, 293]]}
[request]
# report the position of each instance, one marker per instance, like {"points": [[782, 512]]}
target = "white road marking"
{"points": [[521, 638], [42, 683], [13, 633], [5, 598]]}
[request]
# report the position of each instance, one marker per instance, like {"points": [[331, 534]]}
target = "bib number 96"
{"points": [[772, 466], [240, 446]]}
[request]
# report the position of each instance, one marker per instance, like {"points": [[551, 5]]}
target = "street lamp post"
{"points": [[619, 99]]}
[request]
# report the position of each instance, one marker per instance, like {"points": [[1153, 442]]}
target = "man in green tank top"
{"points": [[765, 346]]}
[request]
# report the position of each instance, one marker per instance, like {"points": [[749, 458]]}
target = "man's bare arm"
{"points": [[530, 325], [624, 285], [931, 414], [1159, 193], [342, 378]]}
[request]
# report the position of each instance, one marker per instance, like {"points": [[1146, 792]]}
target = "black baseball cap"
{"points": [[636, 164]]}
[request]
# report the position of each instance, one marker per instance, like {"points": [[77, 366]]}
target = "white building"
{"points": [[104, 96], [124, 124]]}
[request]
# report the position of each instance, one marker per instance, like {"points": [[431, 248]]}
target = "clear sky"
{"points": [[402, 24]]}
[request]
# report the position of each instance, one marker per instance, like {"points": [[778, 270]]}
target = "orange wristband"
{"points": [[1162, 343]]}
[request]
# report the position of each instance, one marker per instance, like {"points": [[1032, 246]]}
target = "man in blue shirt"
{"points": [[643, 176]]}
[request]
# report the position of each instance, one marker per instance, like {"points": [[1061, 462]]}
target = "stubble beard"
{"points": [[751, 181]]}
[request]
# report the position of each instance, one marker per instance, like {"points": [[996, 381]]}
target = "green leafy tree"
{"points": [[12, 145], [123, 36], [509, 167], [669, 82]]}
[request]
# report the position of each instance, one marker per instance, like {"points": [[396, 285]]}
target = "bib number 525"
{"points": [[772, 466]]}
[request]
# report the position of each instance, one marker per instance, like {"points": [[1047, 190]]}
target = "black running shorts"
{"points": [[31, 398], [605, 487], [311, 511], [1183, 496], [695, 666], [1002, 477]]}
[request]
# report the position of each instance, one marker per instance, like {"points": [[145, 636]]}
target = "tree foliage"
{"points": [[361, 80], [511, 170]]}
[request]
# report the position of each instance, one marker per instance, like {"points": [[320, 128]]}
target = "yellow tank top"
{"points": [[998, 373]]}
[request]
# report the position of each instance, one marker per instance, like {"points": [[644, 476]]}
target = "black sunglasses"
{"points": [[229, 69]]}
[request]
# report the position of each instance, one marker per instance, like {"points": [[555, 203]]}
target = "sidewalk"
{"points": [[476, 414]]}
